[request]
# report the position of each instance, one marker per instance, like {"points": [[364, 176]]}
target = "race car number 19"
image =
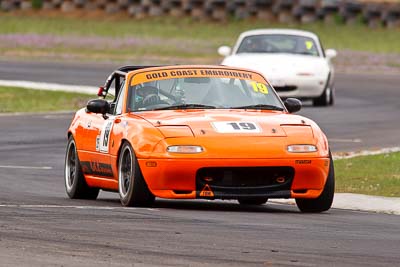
{"points": [[104, 140], [236, 127]]}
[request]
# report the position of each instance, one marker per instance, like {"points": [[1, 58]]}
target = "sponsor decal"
{"points": [[206, 192], [97, 168], [201, 73], [304, 161], [236, 127]]}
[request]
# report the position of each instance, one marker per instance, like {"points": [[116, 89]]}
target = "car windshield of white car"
{"points": [[202, 93], [278, 43]]}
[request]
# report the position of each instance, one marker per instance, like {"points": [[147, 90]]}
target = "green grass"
{"points": [[357, 37], [14, 99], [371, 175], [204, 37]]}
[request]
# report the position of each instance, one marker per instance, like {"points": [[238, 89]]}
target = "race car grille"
{"points": [[286, 88], [233, 182]]}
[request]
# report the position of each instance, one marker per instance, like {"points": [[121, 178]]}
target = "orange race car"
{"points": [[186, 132]]}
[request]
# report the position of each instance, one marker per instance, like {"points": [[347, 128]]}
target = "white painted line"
{"points": [[57, 116], [72, 207], [51, 86], [43, 113], [348, 155], [355, 140], [359, 202], [25, 167]]}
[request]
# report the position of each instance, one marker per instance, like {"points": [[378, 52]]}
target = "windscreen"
{"points": [[278, 43], [208, 92]]}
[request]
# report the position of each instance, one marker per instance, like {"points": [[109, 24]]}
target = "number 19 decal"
{"points": [[242, 125], [236, 127], [259, 87], [103, 140]]}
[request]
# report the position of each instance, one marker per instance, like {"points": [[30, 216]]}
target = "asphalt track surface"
{"points": [[40, 226]]}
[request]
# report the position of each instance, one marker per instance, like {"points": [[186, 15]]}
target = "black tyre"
{"points": [[75, 183], [324, 201], [326, 99], [133, 190], [253, 201]]}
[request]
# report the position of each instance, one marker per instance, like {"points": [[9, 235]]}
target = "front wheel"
{"points": [[75, 183], [324, 201], [132, 188], [326, 99]]}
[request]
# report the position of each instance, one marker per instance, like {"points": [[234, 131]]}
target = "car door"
{"points": [[96, 161]]}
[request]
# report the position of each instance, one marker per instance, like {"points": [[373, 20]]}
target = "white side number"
{"points": [[104, 140]]}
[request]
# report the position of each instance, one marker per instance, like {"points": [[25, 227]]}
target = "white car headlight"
{"points": [[302, 148], [186, 149]]}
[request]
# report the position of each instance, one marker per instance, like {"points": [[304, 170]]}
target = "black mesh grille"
{"points": [[245, 176], [286, 88], [236, 182]]}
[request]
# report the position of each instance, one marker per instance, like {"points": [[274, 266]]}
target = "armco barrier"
{"points": [[372, 12]]}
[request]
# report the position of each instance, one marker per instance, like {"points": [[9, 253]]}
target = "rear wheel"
{"points": [[253, 201], [75, 184], [324, 201], [133, 190]]}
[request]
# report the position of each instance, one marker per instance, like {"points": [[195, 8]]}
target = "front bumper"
{"points": [[226, 178], [300, 87]]}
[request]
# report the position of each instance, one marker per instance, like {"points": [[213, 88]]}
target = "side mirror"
{"points": [[224, 51], [100, 106], [292, 105], [330, 53]]}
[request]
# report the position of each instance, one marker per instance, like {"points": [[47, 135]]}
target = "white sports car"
{"points": [[293, 61]]}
